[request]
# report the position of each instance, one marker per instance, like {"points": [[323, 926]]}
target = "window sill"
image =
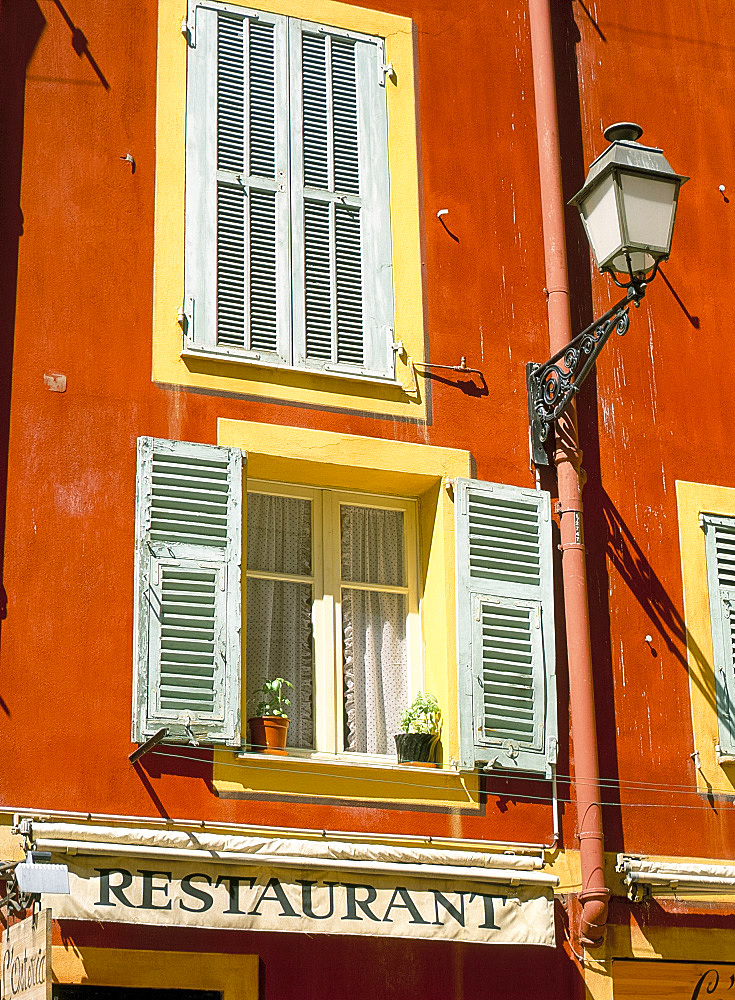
{"points": [[192, 354], [361, 777]]}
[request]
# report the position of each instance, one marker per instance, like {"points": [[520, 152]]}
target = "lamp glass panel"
{"points": [[640, 262], [600, 213], [649, 205]]}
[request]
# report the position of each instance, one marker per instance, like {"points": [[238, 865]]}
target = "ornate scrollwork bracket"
{"points": [[552, 385]]}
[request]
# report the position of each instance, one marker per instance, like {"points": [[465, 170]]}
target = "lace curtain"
{"points": [[373, 628], [279, 631], [279, 642]]}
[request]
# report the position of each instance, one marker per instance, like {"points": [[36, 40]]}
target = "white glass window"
{"points": [[332, 606]]}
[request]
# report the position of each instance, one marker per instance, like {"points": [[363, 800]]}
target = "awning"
{"points": [[191, 878]]}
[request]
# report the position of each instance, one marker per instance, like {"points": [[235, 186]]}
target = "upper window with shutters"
{"points": [[287, 221]]}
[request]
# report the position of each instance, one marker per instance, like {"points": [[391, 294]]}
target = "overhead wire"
{"points": [[650, 788]]}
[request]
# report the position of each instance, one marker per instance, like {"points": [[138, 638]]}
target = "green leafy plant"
{"points": [[273, 701], [423, 716]]}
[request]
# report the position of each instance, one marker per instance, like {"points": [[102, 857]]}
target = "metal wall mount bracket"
{"points": [[552, 385]]}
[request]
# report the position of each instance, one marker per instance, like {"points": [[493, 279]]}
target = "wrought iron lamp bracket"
{"points": [[553, 385]]}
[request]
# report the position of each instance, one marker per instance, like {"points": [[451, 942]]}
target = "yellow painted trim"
{"points": [[378, 465], [237, 775], [404, 399], [235, 976], [693, 499]]}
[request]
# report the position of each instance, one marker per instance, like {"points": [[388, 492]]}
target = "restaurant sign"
{"points": [[26, 959], [306, 900]]}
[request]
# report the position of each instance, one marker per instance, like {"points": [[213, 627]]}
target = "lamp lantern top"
{"points": [[628, 204]]}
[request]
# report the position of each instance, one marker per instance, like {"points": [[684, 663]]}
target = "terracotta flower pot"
{"points": [[417, 748], [268, 734]]}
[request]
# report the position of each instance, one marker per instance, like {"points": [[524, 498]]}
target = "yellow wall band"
{"points": [[313, 389]]}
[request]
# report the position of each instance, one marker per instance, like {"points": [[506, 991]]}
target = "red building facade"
{"points": [[394, 150]]}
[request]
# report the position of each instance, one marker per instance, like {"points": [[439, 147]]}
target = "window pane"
{"points": [[375, 669], [279, 645], [279, 534], [372, 546]]}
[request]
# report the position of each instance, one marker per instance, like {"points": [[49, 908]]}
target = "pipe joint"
{"points": [[594, 916]]}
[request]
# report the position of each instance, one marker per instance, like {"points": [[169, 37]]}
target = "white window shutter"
{"points": [[720, 548], [341, 241], [188, 539], [505, 627], [237, 272]]}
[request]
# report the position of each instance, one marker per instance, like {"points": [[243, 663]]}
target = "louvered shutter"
{"points": [[188, 591], [720, 548], [341, 250], [237, 279], [505, 627]]}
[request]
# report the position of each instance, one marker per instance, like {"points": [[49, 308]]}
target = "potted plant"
{"points": [[421, 725], [269, 725]]}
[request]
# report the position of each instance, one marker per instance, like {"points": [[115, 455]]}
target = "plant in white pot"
{"points": [[422, 725], [269, 724]]}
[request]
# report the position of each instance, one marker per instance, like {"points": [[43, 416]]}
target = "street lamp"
{"points": [[628, 206]]}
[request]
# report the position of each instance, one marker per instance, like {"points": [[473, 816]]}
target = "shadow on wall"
{"points": [[626, 555], [21, 25]]}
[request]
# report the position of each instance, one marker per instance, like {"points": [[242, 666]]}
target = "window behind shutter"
{"points": [[343, 289], [188, 591], [237, 199], [720, 549], [505, 627]]}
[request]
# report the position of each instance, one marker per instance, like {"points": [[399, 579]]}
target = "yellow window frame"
{"points": [[172, 366], [353, 465]]}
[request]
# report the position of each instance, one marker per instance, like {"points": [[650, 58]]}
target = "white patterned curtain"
{"points": [[279, 641], [373, 627]]}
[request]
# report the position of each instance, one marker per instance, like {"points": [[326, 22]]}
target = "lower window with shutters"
{"points": [[327, 591], [332, 607]]}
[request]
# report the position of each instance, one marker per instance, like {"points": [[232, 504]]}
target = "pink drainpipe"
{"points": [[568, 459]]}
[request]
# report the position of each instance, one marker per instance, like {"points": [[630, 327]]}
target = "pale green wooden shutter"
{"points": [[341, 249], [505, 627], [237, 224], [188, 591], [719, 535]]}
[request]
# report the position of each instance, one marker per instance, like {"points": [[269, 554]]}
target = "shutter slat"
{"points": [[317, 272], [315, 123], [263, 296], [179, 687], [344, 99], [230, 266], [230, 93], [262, 92], [349, 285]]}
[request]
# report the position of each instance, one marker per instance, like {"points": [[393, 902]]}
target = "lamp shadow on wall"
{"points": [[21, 26], [635, 570], [80, 44]]}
